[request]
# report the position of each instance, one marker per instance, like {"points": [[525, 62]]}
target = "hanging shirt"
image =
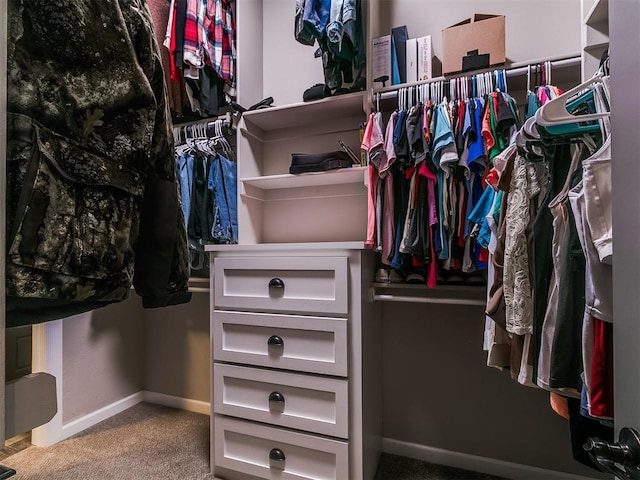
{"points": [[526, 183], [316, 16], [193, 48], [388, 225], [476, 143], [220, 42], [479, 214], [371, 186], [432, 216]]}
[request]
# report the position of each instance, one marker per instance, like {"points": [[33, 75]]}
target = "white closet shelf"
{"points": [[306, 113], [599, 12], [342, 176], [596, 47], [442, 294]]}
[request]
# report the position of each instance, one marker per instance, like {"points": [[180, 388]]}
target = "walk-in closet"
{"points": [[318, 338]]}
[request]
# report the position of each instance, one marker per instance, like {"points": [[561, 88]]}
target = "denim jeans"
{"points": [[185, 173], [222, 183]]}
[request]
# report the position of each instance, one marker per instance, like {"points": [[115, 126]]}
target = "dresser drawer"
{"points": [[304, 402], [273, 453], [307, 344], [282, 284]]}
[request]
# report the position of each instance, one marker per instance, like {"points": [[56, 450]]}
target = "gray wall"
{"points": [[438, 392], [119, 350], [177, 353], [103, 357], [531, 32]]}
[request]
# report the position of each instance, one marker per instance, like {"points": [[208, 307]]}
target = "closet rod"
{"points": [[199, 290], [567, 62], [520, 69], [441, 301], [226, 119]]}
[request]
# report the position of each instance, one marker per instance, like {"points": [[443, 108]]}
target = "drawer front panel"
{"points": [[307, 344], [303, 402], [273, 453], [282, 284]]}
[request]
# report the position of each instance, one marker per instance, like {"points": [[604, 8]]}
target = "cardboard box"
{"points": [[424, 58], [484, 33], [381, 66]]}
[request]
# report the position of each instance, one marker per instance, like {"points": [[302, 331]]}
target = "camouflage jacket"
{"points": [[92, 195]]}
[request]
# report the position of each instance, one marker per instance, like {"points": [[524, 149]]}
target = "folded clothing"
{"points": [[319, 162]]}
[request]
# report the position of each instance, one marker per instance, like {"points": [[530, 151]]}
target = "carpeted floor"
{"points": [[145, 442], [393, 467], [153, 442]]}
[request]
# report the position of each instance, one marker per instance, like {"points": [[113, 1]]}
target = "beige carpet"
{"points": [[145, 442], [152, 442]]}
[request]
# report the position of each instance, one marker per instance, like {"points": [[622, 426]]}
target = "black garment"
{"points": [[419, 243], [180, 19], [401, 146], [400, 261], [209, 90], [542, 265], [581, 428], [201, 216], [505, 118], [417, 142], [200, 222], [566, 356]]}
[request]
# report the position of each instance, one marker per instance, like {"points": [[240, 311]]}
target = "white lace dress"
{"points": [[528, 184]]}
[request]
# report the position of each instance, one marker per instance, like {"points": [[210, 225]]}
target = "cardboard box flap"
{"points": [[477, 17], [463, 22]]}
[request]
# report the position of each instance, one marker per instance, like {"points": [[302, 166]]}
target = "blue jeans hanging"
{"points": [[222, 183]]}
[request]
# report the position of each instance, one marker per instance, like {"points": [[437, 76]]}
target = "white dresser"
{"points": [[296, 362]]}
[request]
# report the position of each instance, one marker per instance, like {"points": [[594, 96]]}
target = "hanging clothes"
{"points": [[437, 180], [337, 27], [552, 289], [200, 39], [92, 194], [208, 186]]}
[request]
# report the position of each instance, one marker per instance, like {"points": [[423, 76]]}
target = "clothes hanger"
{"points": [[548, 73], [555, 112]]}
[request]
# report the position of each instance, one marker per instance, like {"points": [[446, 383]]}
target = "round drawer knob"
{"points": [[276, 458], [276, 283], [275, 341], [276, 398], [276, 288]]}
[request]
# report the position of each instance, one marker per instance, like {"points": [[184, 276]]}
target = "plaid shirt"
{"points": [[193, 45], [220, 47]]}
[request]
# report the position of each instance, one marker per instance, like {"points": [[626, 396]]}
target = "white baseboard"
{"points": [[475, 463], [187, 404], [80, 424]]}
